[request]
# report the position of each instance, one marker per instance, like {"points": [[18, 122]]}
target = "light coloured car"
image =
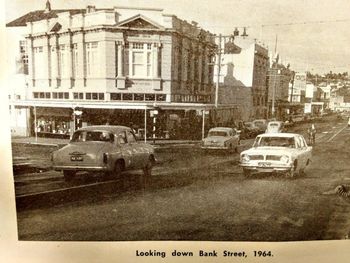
{"points": [[275, 127], [277, 152], [107, 149], [221, 138]]}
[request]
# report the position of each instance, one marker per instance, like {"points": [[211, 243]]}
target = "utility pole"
{"points": [[274, 81], [218, 73]]}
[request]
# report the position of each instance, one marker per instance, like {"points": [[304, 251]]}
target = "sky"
{"points": [[312, 35]]}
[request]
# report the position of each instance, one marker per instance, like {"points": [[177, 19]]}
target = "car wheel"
{"points": [[117, 171], [147, 170], [292, 172], [68, 175]]}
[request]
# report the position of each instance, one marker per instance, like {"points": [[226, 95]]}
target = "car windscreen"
{"points": [[92, 136], [274, 125], [274, 142], [218, 133]]}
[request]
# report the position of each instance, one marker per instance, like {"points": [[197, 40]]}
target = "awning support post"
{"points": [[203, 123], [35, 125], [145, 125]]}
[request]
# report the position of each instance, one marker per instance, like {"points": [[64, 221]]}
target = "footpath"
{"points": [[61, 142]]}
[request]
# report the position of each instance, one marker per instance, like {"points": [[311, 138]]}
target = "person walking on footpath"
{"points": [[311, 131]]}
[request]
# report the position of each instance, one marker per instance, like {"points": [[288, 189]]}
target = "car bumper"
{"points": [[264, 168], [208, 147], [80, 168]]}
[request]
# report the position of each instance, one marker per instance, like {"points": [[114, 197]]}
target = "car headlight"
{"points": [[284, 159], [245, 158]]}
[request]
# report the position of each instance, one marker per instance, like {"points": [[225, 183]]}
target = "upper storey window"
{"points": [[39, 62], [92, 63], [22, 66], [139, 59]]}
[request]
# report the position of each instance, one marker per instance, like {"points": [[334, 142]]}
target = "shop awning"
{"points": [[120, 105]]}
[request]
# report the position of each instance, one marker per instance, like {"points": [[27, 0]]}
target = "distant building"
{"points": [[112, 65], [278, 79], [243, 78]]}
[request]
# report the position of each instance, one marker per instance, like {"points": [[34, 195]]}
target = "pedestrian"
{"points": [[312, 134]]}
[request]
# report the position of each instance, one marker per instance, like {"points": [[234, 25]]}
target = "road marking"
{"points": [[336, 134]]}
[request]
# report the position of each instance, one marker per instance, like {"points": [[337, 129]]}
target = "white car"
{"points": [[221, 138], [277, 152], [275, 127]]}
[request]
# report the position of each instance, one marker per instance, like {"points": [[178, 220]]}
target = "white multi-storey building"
{"points": [[112, 65]]}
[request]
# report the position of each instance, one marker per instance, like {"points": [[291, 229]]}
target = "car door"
{"points": [[138, 152], [235, 137], [125, 149], [303, 152]]}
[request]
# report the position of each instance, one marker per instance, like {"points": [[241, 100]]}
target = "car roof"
{"points": [[221, 129], [282, 134], [107, 128], [278, 122]]}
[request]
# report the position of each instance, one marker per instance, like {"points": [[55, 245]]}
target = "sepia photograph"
{"points": [[221, 121]]}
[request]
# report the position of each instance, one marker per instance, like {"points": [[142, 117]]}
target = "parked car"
{"points": [[275, 127], [277, 152], [107, 149], [221, 138], [251, 130], [261, 124]]}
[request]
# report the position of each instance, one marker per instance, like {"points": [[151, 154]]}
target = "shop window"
{"points": [[116, 96], [47, 95], [139, 97], [101, 96], [88, 96], [35, 95], [94, 96], [18, 97], [66, 95], [54, 95], [78, 95], [150, 97], [161, 97], [60, 95], [127, 96]]}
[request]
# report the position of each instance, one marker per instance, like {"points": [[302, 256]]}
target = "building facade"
{"points": [[243, 77], [97, 66], [278, 79]]}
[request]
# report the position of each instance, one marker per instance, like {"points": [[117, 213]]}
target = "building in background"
{"points": [[114, 65], [278, 80], [242, 80]]}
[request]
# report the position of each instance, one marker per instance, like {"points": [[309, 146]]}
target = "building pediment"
{"points": [[139, 21], [55, 27]]}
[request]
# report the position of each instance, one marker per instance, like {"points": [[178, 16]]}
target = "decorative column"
{"points": [[80, 78], [57, 62], [70, 60], [156, 62], [48, 50], [31, 60], [120, 79]]}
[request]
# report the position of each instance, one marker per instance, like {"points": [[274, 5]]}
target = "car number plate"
{"points": [[262, 164], [76, 158]]}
